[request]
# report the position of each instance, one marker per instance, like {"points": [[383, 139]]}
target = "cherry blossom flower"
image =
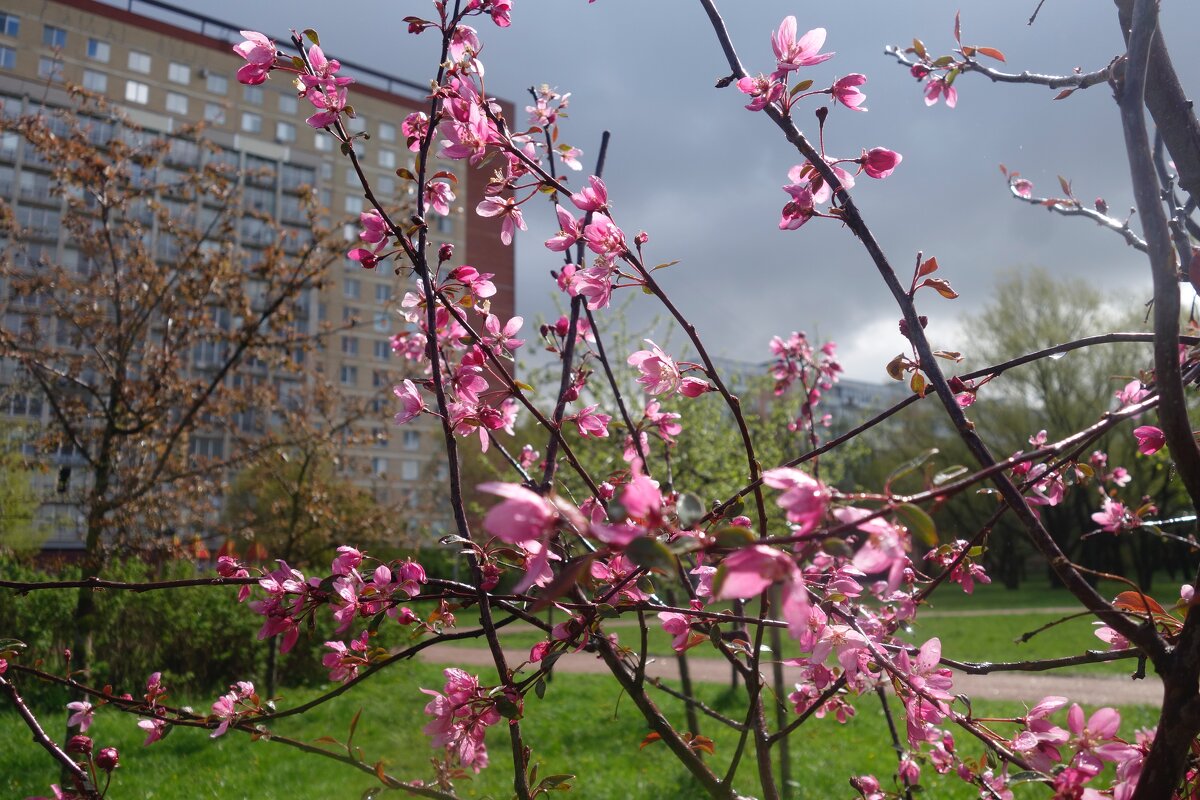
{"points": [[763, 91], [747, 572], [1150, 439], [1113, 516], [1023, 188], [411, 401], [660, 373], [476, 282], [593, 197], [464, 43], [938, 87], [82, 716], [879, 162], [414, 128], [603, 237], [330, 102], [509, 212], [439, 196], [155, 729], [569, 230], [845, 91], [522, 516], [793, 53], [804, 498], [259, 52], [590, 422], [504, 337], [1132, 393]]}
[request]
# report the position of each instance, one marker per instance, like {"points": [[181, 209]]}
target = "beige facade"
{"points": [[169, 69]]}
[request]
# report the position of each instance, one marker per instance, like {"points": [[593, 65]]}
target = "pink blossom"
{"points": [[747, 572], [570, 157], [411, 401], [590, 422], [504, 337], [330, 102], [1093, 740], [467, 138], [1150, 439], [845, 91], [679, 626], [1113, 516], [603, 237], [374, 227], [879, 162], [569, 230], [763, 91], [1023, 188], [84, 713], [799, 209], [155, 729], [660, 373], [415, 127], [804, 498], [593, 197], [792, 53], [477, 283], [521, 517], [843, 640], [259, 52], [464, 42], [509, 212], [439, 196], [347, 559], [937, 87], [1132, 393], [694, 387]]}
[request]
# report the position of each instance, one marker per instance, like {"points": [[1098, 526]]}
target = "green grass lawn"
{"points": [[583, 726], [976, 638]]}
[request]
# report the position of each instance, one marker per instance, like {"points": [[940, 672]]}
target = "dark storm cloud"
{"points": [[703, 176]]}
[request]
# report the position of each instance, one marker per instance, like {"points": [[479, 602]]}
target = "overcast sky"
{"points": [[702, 175]]}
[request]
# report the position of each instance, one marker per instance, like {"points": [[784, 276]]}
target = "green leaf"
{"points": [[909, 466], [949, 474], [802, 86], [918, 523], [735, 536], [689, 509], [539, 688], [312, 36], [507, 708]]}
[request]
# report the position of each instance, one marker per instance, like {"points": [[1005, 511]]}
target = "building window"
{"points": [[387, 132], [354, 205], [139, 62], [251, 123], [136, 92], [99, 50], [387, 159], [351, 177], [351, 288], [285, 132], [383, 323], [383, 349], [253, 95], [385, 186], [179, 73], [54, 37], [410, 470], [217, 84], [350, 345], [379, 465], [412, 439], [214, 113], [356, 124], [50, 69], [177, 103], [288, 104], [95, 81], [349, 375], [383, 293], [445, 225], [9, 25], [8, 58], [323, 142]]}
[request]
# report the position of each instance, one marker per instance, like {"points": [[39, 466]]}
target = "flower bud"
{"points": [[919, 71], [80, 744], [108, 759], [446, 252], [1101, 205]]}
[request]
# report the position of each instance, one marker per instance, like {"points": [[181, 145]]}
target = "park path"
{"points": [[1089, 690]]}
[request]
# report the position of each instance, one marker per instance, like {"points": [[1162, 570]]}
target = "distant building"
{"points": [[167, 67]]}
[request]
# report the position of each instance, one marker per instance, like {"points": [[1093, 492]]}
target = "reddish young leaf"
{"points": [[941, 286], [990, 52], [1135, 601], [1064, 94], [958, 27], [651, 738], [928, 268]]}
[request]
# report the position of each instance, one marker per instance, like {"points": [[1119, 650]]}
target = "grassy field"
{"points": [[583, 726], [991, 636]]}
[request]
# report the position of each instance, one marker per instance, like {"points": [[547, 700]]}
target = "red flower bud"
{"points": [[446, 252], [108, 759], [80, 744]]}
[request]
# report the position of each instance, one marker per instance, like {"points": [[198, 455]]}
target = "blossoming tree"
{"points": [[840, 575]]}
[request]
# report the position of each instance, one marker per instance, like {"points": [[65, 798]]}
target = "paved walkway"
{"points": [[1088, 690]]}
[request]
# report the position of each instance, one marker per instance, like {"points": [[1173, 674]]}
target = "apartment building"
{"points": [[168, 67]]}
